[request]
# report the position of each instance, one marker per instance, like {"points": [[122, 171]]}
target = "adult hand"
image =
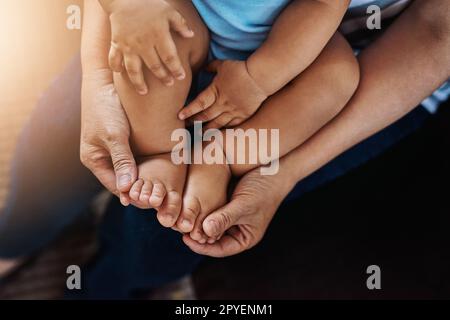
{"points": [[105, 132], [242, 223]]}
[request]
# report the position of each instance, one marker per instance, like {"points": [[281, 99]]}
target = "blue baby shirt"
{"points": [[238, 27]]}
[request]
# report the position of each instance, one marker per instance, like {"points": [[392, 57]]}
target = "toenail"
{"points": [[186, 224], [202, 241], [214, 226]]}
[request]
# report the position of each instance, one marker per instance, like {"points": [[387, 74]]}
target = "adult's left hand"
{"points": [[242, 223]]}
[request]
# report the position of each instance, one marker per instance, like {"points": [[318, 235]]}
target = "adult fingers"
{"points": [[228, 245], [103, 171], [124, 164], [222, 219]]}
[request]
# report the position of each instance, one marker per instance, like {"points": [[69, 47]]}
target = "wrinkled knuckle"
{"points": [[122, 163], [113, 135], [224, 219]]}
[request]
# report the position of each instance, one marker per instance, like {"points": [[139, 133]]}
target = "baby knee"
{"points": [[346, 74]]}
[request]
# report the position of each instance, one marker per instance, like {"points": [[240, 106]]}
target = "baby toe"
{"points": [[170, 210], [136, 189], [146, 191], [158, 194], [198, 235], [189, 214]]}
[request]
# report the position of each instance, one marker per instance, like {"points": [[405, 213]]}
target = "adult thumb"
{"points": [[222, 219], [124, 165]]}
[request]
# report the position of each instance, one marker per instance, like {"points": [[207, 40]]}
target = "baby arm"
{"points": [[297, 38]]}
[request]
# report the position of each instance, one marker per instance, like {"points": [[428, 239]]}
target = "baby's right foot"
{"points": [[160, 185], [206, 191]]}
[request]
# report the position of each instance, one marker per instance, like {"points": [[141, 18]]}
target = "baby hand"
{"points": [[141, 32], [232, 97]]}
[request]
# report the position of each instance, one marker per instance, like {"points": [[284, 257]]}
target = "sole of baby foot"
{"points": [[206, 191]]}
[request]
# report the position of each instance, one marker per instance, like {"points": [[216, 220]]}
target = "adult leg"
{"points": [[50, 187]]}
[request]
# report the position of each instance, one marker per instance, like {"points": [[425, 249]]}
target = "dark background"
{"points": [[392, 212]]}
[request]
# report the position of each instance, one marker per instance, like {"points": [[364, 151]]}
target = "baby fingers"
{"points": [[133, 64], [221, 121], [203, 101], [115, 58]]}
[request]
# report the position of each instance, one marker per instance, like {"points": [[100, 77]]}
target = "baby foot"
{"points": [[160, 185], [206, 191]]}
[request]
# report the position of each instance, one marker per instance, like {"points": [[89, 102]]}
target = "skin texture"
{"points": [[416, 44], [153, 117], [313, 98], [133, 47], [232, 97]]}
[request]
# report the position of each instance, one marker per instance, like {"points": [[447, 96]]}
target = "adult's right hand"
{"points": [[105, 132]]}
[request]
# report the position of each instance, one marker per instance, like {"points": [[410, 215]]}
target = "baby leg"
{"points": [[153, 118], [298, 111]]}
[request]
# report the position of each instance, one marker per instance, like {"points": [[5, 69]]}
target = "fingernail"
{"points": [[143, 92], [181, 116], [124, 180], [214, 226], [181, 76], [186, 224], [170, 83]]}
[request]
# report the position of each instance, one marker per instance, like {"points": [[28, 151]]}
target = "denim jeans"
{"points": [[50, 189]]}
